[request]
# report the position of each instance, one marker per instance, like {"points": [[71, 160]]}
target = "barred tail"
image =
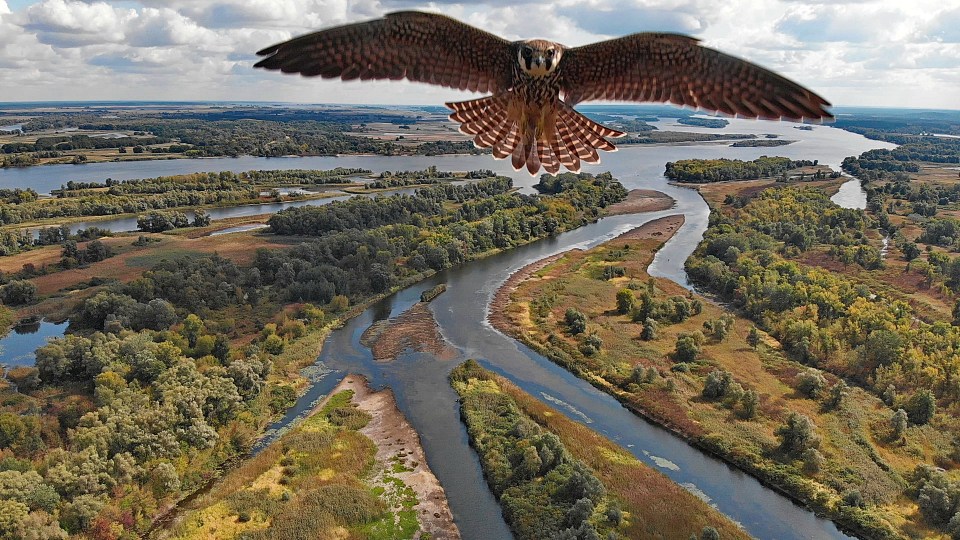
{"points": [[549, 137]]}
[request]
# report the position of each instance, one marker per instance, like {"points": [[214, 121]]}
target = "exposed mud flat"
{"points": [[414, 329]]}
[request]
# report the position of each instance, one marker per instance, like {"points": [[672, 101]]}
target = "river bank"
{"points": [[261, 496], [641, 376]]}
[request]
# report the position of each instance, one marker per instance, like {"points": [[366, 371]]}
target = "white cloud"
{"points": [[869, 52]]}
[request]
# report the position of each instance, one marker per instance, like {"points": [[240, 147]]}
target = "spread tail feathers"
{"points": [[549, 137]]}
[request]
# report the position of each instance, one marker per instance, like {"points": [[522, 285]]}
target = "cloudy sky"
{"points": [[853, 52]]}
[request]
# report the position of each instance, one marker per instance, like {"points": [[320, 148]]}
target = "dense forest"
{"points": [[824, 319], [721, 170], [361, 240], [836, 321], [543, 490]]}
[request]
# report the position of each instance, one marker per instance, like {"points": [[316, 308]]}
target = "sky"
{"points": [[886, 53]]}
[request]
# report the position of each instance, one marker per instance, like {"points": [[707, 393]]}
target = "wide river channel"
{"points": [[419, 381]]}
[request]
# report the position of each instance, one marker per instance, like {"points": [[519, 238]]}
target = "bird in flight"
{"points": [[534, 84]]}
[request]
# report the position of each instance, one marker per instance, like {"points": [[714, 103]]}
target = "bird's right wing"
{"points": [[421, 47], [675, 68]]}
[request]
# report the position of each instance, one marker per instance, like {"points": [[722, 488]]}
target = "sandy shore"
{"points": [[642, 200], [661, 229], [399, 445], [414, 329]]}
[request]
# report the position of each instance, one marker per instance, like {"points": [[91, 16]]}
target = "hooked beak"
{"points": [[539, 60]]}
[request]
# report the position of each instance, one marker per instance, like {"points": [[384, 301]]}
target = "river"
{"points": [[419, 381]]}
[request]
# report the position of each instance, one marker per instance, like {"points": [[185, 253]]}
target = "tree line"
{"points": [[721, 170]]}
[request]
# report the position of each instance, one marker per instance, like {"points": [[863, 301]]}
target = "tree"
{"points": [[910, 251], [749, 404], [625, 301], [687, 348], [576, 321], [921, 407], [838, 393], [716, 384], [898, 424], [13, 514], [650, 330], [193, 328], [18, 292], [720, 328], [810, 383], [797, 434], [753, 337], [709, 533], [201, 218]]}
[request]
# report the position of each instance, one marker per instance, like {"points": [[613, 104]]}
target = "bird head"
{"points": [[539, 57]]}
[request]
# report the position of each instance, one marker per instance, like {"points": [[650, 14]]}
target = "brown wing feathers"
{"points": [[675, 68], [421, 47]]}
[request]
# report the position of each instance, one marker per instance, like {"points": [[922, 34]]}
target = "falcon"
{"points": [[534, 84]]}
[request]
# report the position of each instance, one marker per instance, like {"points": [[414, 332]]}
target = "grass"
{"points": [[853, 439], [320, 480]]}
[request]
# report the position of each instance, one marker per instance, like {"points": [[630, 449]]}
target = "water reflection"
{"points": [[17, 348]]}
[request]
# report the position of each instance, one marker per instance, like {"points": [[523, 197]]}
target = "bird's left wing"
{"points": [[675, 68], [417, 46]]}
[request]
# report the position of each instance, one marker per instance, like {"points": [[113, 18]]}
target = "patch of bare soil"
{"points": [[399, 455], [642, 200], [414, 329]]}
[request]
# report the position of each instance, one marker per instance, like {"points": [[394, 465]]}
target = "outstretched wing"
{"points": [[675, 68], [417, 46]]}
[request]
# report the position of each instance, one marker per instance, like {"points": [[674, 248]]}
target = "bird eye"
{"points": [[550, 53], [527, 52]]}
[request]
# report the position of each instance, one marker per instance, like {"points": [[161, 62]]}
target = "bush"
{"points": [[687, 348], [18, 292], [921, 407], [797, 434], [810, 383]]}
